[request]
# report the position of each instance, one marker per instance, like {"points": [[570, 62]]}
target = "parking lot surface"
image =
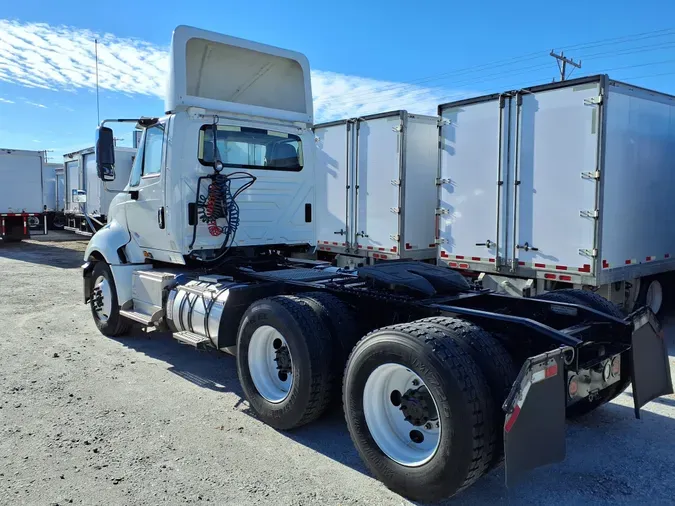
{"points": [[86, 419]]}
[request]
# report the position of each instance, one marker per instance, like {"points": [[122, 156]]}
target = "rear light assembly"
{"points": [[616, 366], [573, 386]]}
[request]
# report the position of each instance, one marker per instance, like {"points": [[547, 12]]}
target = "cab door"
{"points": [[146, 216]]}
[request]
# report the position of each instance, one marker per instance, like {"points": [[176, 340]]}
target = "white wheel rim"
{"points": [[265, 348], [387, 423], [102, 290], [654, 298]]}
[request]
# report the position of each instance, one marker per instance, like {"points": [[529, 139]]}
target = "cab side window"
{"points": [[153, 150]]}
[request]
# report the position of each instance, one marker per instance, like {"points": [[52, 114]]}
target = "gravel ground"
{"points": [[144, 420]]}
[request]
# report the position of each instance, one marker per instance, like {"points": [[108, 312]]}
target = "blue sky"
{"points": [[366, 56]]}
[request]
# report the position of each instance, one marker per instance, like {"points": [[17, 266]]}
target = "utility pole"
{"points": [[563, 66]]}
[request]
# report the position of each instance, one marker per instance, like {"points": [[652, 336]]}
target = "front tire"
{"points": [[418, 411], [284, 361], [104, 304]]}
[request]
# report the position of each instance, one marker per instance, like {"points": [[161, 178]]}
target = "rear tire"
{"points": [[304, 356], [494, 362], [585, 298], [460, 452], [593, 301], [340, 319], [104, 304]]}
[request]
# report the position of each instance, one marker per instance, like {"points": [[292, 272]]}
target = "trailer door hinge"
{"points": [[440, 241], [593, 100], [440, 210], [443, 180], [443, 122], [592, 253], [394, 237], [589, 214], [398, 128], [395, 182], [395, 210], [591, 175]]}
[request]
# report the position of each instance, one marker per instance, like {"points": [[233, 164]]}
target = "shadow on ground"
{"points": [[60, 253], [603, 447]]}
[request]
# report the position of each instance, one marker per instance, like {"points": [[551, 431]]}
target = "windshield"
{"points": [[251, 148]]}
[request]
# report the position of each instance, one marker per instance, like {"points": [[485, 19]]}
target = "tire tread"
{"points": [[473, 386]]}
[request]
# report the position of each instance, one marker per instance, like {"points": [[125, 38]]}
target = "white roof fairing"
{"points": [[222, 73]]}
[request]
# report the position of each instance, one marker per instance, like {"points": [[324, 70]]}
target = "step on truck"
{"points": [[562, 185], [22, 207], [213, 240]]}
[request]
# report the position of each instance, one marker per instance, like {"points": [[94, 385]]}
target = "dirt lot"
{"points": [[144, 420]]}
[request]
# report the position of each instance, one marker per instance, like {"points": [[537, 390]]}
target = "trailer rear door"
{"points": [[333, 165], [473, 166], [20, 182], [554, 187], [92, 185], [72, 185], [377, 175]]}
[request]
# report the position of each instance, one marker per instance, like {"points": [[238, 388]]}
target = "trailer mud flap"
{"points": [[650, 367], [534, 428]]}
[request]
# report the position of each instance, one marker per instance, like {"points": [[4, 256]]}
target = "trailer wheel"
{"points": [[284, 354], [103, 302], [652, 294], [494, 362], [418, 410], [594, 301]]}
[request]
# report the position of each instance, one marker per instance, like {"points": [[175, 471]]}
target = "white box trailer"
{"points": [[54, 194], [568, 183], [87, 198], [375, 187], [21, 197]]}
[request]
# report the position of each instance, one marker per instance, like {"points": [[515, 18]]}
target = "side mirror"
{"points": [[105, 154]]}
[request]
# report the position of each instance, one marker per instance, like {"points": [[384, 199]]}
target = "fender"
{"points": [[113, 243], [108, 242]]}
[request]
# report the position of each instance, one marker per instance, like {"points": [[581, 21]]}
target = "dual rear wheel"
{"points": [[422, 400]]}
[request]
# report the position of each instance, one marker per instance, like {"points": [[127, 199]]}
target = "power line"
{"points": [[518, 59]]}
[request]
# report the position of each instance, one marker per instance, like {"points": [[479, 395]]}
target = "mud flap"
{"points": [[87, 267], [650, 367], [534, 428]]}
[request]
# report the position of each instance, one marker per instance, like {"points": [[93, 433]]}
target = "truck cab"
{"points": [[236, 109]]}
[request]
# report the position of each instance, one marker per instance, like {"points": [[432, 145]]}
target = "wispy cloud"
{"points": [[35, 104], [39, 55], [6, 101]]}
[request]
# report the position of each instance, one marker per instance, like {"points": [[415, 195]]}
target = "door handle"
{"points": [[487, 243], [527, 247], [160, 217]]}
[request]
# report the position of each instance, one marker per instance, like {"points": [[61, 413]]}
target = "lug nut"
{"points": [[427, 426]]}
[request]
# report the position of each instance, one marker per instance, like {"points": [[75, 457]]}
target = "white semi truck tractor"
{"points": [[213, 240]]}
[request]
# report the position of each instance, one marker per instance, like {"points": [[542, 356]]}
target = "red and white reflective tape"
{"points": [[555, 267], [530, 379], [445, 254], [19, 214], [633, 261]]}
